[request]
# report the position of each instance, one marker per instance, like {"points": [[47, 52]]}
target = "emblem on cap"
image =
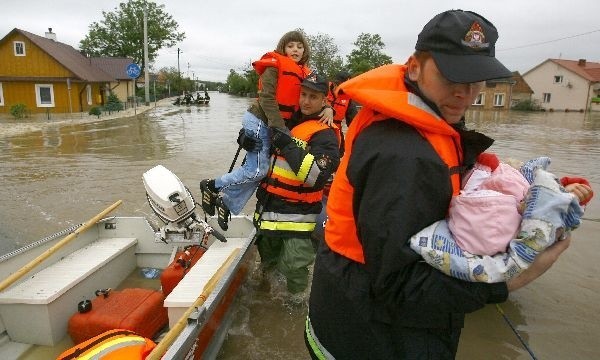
{"points": [[312, 77], [475, 38]]}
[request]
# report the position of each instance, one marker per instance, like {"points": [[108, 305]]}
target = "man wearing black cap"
{"points": [[289, 198], [372, 297]]}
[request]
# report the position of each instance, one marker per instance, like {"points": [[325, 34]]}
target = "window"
{"points": [[44, 95], [480, 99], [88, 90], [546, 98], [1, 96], [558, 79], [19, 48], [498, 99]]}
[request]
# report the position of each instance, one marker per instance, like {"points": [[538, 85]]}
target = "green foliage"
{"points": [[252, 79], [121, 33], [240, 84], [324, 58], [113, 103], [19, 111], [527, 105], [368, 54], [96, 110]]}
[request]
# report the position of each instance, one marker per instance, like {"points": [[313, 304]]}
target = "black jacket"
{"points": [[400, 186], [322, 144]]}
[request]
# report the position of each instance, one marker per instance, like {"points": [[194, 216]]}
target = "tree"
{"points": [[113, 103], [237, 84], [324, 58], [368, 54], [121, 33]]}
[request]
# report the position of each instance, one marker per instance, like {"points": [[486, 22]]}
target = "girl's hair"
{"points": [[294, 36]]}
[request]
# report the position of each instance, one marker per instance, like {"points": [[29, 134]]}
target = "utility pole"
{"points": [[146, 66], [178, 71]]}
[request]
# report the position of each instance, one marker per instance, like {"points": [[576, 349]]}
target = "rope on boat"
{"points": [[39, 242]]}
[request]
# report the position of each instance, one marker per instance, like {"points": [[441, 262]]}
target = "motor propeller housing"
{"points": [[168, 197]]}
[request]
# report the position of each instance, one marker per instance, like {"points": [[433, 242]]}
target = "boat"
{"points": [[50, 282], [188, 99]]}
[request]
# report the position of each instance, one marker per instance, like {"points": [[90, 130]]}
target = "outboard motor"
{"points": [[173, 203]]}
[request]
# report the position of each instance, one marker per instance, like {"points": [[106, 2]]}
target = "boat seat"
{"points": [[191, 286], [49, 297]]}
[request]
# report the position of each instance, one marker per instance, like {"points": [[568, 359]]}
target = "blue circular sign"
{"points": [[133, 70]]}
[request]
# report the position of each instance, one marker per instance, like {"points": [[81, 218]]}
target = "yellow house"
{"points": [[48, 76], [122, 86]]}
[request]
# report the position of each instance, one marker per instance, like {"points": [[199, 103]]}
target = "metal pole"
{"points": [[146, 75], [69, 95], [178, 70], [134, 97]]}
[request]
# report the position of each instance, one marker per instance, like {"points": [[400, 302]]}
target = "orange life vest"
{"points": [[289, 76], [295, 187], [339, 102], [113, 344], [383, 95], [298, 186]]}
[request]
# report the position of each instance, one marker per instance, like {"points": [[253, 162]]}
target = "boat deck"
{"points": [[39, 352]]}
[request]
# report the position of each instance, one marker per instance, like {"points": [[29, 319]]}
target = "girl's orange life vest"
{"points": [[289, 76], [283, 182], [115, 344], [383, 95]]}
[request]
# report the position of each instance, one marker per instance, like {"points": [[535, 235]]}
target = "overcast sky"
{"points": [[228, 34]]}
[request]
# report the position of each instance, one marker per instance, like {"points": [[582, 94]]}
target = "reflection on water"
{"points": [[63, 175]]}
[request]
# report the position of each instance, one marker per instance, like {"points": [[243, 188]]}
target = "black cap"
{"points": [[462, 44], [316, 82]]}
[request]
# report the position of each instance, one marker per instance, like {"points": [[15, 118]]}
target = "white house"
{"points": [[566, 85]]}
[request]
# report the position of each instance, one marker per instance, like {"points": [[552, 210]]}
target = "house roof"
{"points": [[516, 80], [115, 67], [521, 86], [67, 56], [589, 70]]}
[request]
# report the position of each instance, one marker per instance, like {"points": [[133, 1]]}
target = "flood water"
{"points": [[64, 175]]}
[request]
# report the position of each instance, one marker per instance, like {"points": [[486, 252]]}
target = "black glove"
{"points": [[280, 138], [248, 141]]}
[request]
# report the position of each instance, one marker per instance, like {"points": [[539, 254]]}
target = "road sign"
{"points": [[133, 70]]}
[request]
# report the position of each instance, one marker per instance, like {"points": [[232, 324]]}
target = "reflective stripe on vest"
{"points": [[289, 76], [113, 344], [287, 222], [383, 95], [318, 349]]}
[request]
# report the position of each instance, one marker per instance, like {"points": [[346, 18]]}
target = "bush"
{"points": [[527, 105], [96, 110], [19, 111], [113, 103]]}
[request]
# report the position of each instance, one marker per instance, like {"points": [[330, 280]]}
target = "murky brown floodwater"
{"points": [[64, 175]]}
